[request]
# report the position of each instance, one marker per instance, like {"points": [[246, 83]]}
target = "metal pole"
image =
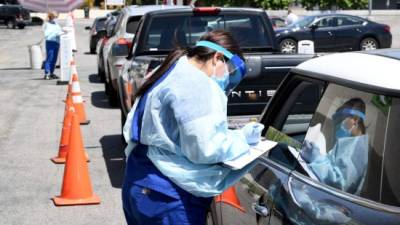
{"points": [[369, 7]]}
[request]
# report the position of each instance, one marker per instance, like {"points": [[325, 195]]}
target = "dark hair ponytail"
{"points": [[201, 53]]}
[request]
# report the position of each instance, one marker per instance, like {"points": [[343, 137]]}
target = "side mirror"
{"points": [[88, 28], [313, 26]]}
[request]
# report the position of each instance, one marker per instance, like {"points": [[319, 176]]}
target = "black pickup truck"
{"points": [[159, 31]]}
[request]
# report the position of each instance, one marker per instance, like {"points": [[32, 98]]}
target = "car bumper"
{"points": [[385, 41]]}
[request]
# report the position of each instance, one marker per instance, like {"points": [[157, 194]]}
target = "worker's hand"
{"points": [[309, 151], [252, 132]]}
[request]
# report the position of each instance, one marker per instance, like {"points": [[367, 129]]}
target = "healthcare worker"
{"points": [[343, 167], [178, 135]]}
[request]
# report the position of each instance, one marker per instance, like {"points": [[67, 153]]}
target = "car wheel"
{"points": [[101, 75], [21, 26], [10, 24], [106, 87], [123, 120], [112, 95], [92, 50], [288, 46], [368, 44]]}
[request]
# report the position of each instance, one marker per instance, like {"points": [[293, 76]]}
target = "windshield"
{"points": [[304, 22], [166, 32]]}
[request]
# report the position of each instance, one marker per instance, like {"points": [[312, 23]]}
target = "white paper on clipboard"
{"points": [[255, 151]]}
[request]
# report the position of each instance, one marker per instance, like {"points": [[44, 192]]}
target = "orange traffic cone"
{"points": [[76, 188], [73, 71], [229, 196], [78, 101], [65, 134]]}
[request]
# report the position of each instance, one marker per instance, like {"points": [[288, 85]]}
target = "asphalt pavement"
{"points": [[30, 126]]}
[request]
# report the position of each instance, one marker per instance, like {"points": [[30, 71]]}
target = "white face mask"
{"points": [[223, 80]]}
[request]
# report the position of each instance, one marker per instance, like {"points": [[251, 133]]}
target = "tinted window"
{"points": [[132, 24], [100, 24], [295, 115], [344, 144], [348, 21], [326, 22], [391, 166], [165, 32]]}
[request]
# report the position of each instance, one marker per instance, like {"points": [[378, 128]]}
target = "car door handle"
{"points": [[261, 210], [330, 33]]}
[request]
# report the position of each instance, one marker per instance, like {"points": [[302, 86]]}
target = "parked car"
{"points": [[14, 16], [277, 22], [334, 32], [97, 32], [117, 47], [109, 24], [160, 31], [356, 180]]}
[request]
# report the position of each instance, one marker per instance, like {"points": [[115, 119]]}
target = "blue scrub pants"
{"points": [[51, 56], [150, 198]]}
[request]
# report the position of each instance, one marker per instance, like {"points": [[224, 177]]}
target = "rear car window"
{"points": [[346, 141], [165, 32], [132, 24]]}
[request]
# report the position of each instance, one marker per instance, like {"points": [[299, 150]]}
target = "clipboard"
{"points": [[254, 152]]}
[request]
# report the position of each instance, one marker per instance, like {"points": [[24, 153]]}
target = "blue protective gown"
{"points": [[345, 166], [178, 135]]}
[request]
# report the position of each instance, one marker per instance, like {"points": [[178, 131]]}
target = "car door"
{"points": [[256, 192], [348, 32], [341, 183], [321, 31]]}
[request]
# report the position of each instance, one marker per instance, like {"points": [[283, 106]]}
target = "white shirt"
{"points": [[291, 18]]}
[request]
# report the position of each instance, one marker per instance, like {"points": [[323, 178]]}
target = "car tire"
{"points": [[21, 26], [123, 120], [101, 74], [112, 95], [10, 24], [288, 46], [368, 43], [92, 50]]}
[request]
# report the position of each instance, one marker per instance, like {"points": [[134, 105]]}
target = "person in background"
{"points": [[52, 32], [291, 18]]}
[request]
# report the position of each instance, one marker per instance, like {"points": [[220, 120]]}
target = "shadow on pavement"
{"points": [[93, 78], [114, 157], [89, 53], [100, 100]]}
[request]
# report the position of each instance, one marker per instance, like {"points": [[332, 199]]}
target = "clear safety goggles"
{"points": [[236, 66]]}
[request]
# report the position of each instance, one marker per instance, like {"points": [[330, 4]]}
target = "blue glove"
{"points": [[309, 151], [252, 132]]}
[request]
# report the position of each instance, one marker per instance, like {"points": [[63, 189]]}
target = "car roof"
{"points": [[135, 10], [373, 69], [222, 9]]}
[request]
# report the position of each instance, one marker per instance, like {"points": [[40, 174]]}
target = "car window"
{"points": [[348, 21], [344, 143], [390, 107], [165, 32], [326, 22], [132, 24], [290, 125], [279, 23]]}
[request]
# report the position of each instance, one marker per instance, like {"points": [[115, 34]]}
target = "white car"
{"points": [[337, 161], [117, 48]]}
